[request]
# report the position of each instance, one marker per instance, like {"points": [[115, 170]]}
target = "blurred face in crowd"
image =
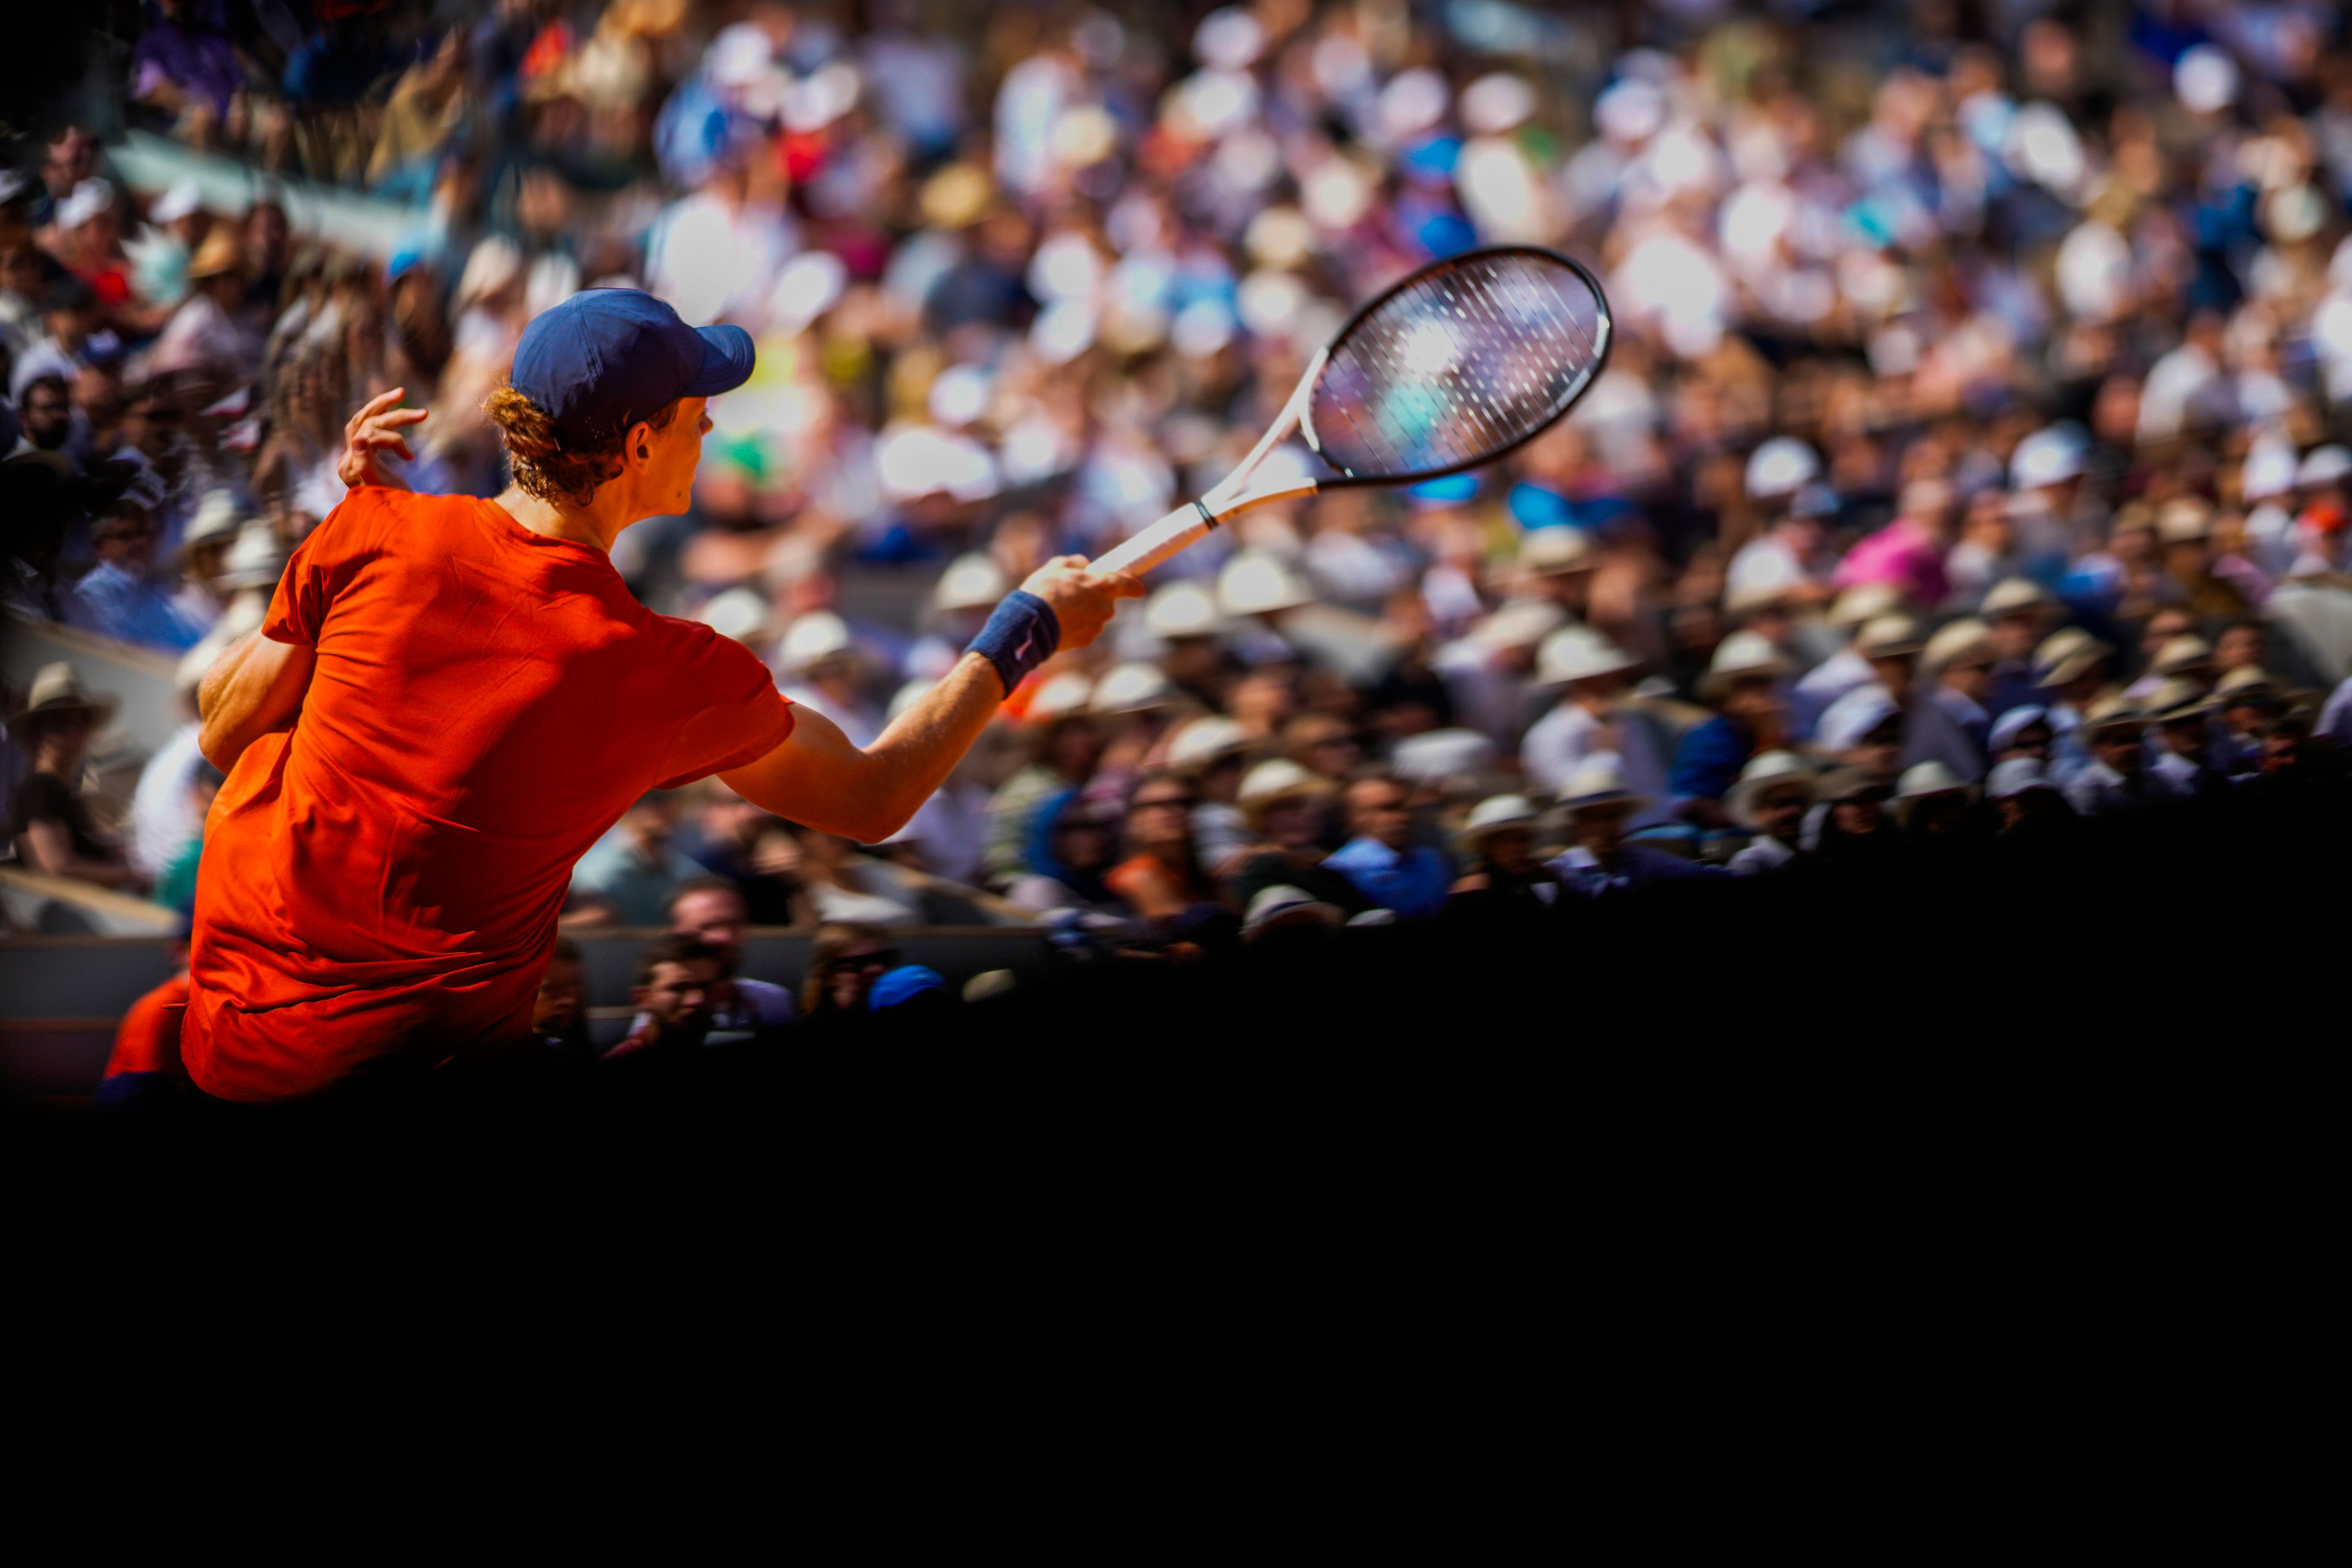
{"points": [[1970, 674], [678, 995], [2282, 750], [2246, 718], [559, 1001], [1081, 843], [151, 424], [1780, 812], [716, 915], [1072, 747], [47, 413], [2186, 738], [2164, 626], [1939, 815], [1601, 829], [1751, 700], [2118, 746], [1293, 821], [1862, 814], [2239, 648], [651, 822], [1511, 850], [126, 540], [2034, 741], [1879, 752], [1379, 809], [850, 976], [265, 236], [2015, 635], [20, 271], [1324, 746], [1192, 660], [60, 738], [1160, 818], [1894, 671]]}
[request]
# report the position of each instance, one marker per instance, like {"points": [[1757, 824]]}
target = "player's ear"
{"points": [[640, 447]]}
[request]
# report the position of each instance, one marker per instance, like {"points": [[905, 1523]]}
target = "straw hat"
{"points": [[1579, 653], [1840, 784], [2114, 713], [218, 517], [2180, 701], [1204, 742], [1519, 623], [255, 561], [1598, 781], [1439, 757], [2182, 653], [57, 689], [1255, 583], [1280, 779], [1181, 609], [2184, 520], [1961, 637], [2014, 595], [1888, 636], [2066, 655], [1496, 813], [1930, 777], [1740, 655], [2247, 683], [1133, 688], [1773, 770], [1283, 905], [812, 638], [1061, 696], [1864, 603], [972, 582], [1557, 551], [220, 253]]}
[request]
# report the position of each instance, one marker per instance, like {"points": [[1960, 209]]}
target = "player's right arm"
{"points": [[254, 687]]}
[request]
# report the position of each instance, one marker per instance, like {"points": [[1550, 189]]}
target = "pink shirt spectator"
{"points": [[1901, 554]]}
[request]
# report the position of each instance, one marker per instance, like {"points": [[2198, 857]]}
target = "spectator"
{"points": [[1498, 841], [1162, 878], [2021, 732], [677, 979], [176, 885], [841, 883], [208, 336], [1600, 807], [1072, 848], [559, 1015], [713, 909], [1742, 681], [1064, 744], [1213, 754], [844, 961], [2030, 807], [117, 598], [1284, 806], [2071, 666], [1386, 866], [2183, 763], [628, 876], [1847, 828], [1590, 716], [1769, 800], [49, 816], [2249, 701], [1950, 723], [1932, 803], [2117, 777], [2017, 611]]}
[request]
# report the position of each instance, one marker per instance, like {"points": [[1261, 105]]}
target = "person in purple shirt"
{"points": [[185, 65], [1381, 860]]}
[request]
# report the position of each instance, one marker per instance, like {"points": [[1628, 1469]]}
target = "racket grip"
{"points": [[1179, 530]]}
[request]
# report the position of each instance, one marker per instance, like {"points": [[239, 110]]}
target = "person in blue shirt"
{"points": [[1381, 860], [116, 597], [1599, 804], [1743, 683]]}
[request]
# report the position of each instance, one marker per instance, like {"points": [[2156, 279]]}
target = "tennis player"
{"points": [[453, 698]]}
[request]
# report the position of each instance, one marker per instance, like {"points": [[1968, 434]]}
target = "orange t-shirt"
{"points": [[385, 875], [148, 1039]]}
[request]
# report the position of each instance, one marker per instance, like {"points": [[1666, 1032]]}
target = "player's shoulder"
{"points": [[373, 511], [695, 643]]}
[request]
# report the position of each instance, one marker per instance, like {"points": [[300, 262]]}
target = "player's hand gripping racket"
{"points": [[1463, 360]]}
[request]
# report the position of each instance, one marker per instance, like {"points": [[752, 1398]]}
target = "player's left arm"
{"points": [[254, 687]]}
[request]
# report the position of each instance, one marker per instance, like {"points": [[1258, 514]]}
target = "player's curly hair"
{"points": [[543, 465]]}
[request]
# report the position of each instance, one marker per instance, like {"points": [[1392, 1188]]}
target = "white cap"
{"points": [[90, 198], [2269, 469], [818, 635], [1492, 815], [1519, 623], [1561, 547], [1282, 904], [1062, 696], [740, 56], [1930, 777], [2325, 466], [182, 200], [738, 614], [2205, 79], [1279, 777], [2014, 778], [1781, 467], [1496, 103], [1599, 779], [1434, 756], [972, 582], [1181, 609], [1258, 583], [2050, 456], [1206, 739], [1132, 688], [1579, 653]]}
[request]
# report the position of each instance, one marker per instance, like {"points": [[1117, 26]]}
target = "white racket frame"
{"points": [[1229, 496]]}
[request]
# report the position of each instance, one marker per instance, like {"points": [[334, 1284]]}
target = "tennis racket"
{"points": [[1459, 363]]}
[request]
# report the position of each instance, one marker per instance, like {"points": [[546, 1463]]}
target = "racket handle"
{"points": [[1179, 530]]}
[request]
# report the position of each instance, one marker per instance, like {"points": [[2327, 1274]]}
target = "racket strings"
{"points": [[1459, 365]]}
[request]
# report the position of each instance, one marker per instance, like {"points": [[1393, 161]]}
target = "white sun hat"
{"points": [[816, 635], [1781, 467], [972, 582], [1132, 688], [1579, 653], [1206, 740], [1181, 609], [1258, 583]]}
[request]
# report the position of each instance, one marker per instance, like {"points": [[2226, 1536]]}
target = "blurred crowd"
{"points": [[1972, 457]]}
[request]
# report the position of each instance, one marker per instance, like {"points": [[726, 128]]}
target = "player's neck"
{"points": [[595, 525]]}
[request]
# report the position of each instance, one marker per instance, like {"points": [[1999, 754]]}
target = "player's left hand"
{"points": [[377, 428], [1083, 598]]}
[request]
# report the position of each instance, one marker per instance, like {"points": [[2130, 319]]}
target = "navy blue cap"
{"points": [[607, 358]]}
